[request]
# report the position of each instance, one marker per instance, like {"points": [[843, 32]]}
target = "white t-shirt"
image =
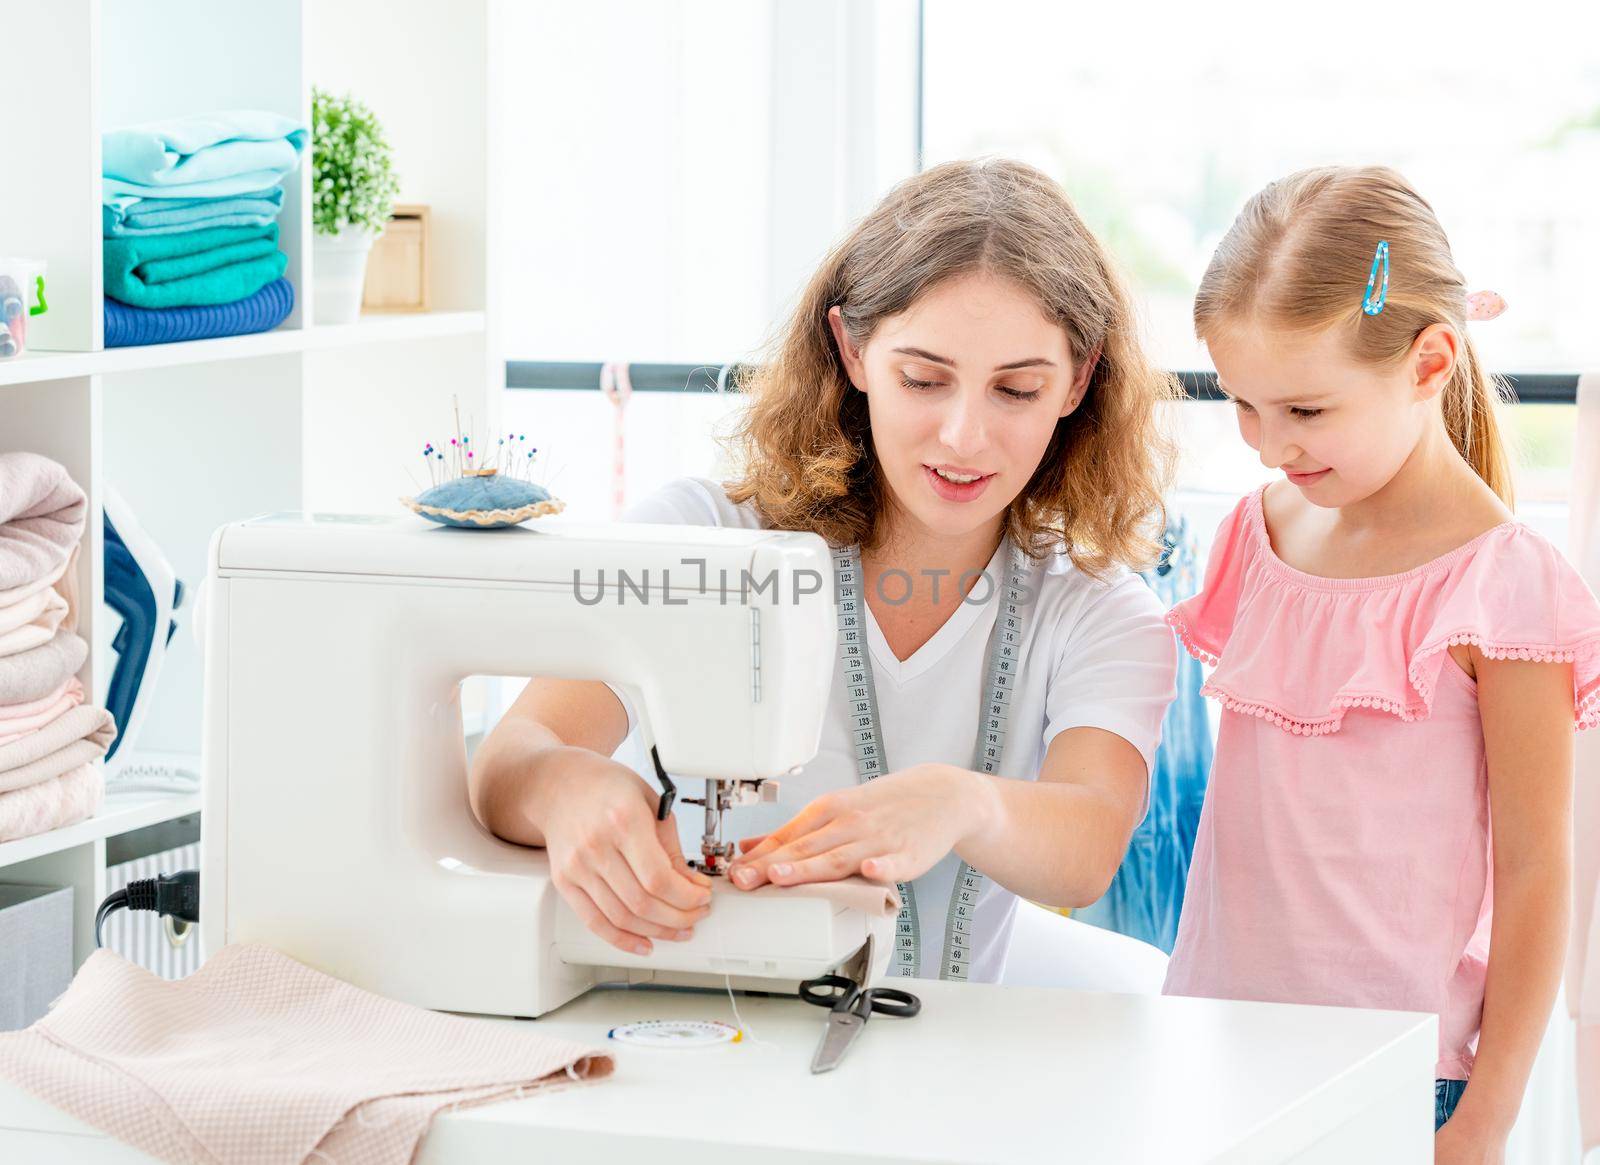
{"points": [[1095, 654]]}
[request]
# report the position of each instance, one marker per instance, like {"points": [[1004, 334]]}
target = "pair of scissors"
{"points": [[849, 1009]]}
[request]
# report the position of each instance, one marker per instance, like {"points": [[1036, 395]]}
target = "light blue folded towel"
{"points": [[163, 216], [211, 146], [121, 193]]}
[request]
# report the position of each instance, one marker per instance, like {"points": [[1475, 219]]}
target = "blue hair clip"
{"points": [[1373, 304]]}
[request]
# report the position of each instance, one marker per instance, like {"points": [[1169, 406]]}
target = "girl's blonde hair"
{"points": [[805, 444], [1298, 257]]}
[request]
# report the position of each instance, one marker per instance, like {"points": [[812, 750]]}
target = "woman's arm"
{"points": [[545, 777], [1057, 840], [1526, 710], [510, 784]]}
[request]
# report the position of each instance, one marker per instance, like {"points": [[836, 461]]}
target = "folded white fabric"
{"points": [[49, 579], [76, 737], [74, 796], [256, 1059], [11, 715], [15, 725], [30, 609], [30, 675], [31, 621]]}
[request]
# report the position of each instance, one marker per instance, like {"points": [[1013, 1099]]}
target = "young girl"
{"points": [[1400, 662], [960, 381]]}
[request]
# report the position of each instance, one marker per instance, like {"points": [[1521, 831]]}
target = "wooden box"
{"points": [[397, 268]]}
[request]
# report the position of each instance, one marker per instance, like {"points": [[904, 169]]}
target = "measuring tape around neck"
{"points": [[1004, 659]]}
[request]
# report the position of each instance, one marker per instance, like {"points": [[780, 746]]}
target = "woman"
{"points": [[961, 396]]}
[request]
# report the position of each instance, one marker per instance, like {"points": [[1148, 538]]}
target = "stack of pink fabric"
{"points": [[50, 739], [256, 1059]]}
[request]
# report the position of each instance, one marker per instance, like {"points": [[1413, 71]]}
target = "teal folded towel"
{"points": [[192, 269], [167, 216], [202, 149]]}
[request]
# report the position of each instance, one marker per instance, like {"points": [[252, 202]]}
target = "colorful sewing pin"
{"points": [[1373, 304]]}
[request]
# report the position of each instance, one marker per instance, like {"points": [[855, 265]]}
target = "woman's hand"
{"points": [[619, 868], [891, 829]]}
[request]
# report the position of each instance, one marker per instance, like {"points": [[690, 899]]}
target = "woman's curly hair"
{"points": [[804, 443]]}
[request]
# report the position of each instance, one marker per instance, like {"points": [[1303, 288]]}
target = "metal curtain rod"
{"points": [[1529, 387]]}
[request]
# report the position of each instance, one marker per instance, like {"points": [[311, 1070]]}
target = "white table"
{"points": [[984, 1074]]}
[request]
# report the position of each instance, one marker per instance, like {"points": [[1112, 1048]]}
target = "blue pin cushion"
{"points": [[483, 500]]}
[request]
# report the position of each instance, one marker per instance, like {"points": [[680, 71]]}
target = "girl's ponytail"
{"points": [[1469, 403]]}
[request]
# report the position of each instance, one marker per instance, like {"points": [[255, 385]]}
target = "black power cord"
{"points": [[171, 895]]}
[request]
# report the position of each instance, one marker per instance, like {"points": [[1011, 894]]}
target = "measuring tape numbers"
{"points": [[1000, 678]]}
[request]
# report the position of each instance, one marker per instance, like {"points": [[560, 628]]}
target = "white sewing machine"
{"points": [[336, 821], [337, 829]]}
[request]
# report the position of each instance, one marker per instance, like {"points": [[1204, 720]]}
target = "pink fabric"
{"points": [[13, 712], [256, 1059], [78, 736], [1583, 953], [74, 796], [32, 675], [51, 578], [871, 898], [617, 387], [15, 728], [66, 585], [42, 514], [31, 621], [38, 607], [1343, 852]]}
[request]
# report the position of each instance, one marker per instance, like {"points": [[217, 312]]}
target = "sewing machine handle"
{"points": [[669, 791]]}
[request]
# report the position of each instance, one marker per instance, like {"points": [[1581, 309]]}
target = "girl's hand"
{"points": [[1464, 1143], [889, 830], [620, 869]]}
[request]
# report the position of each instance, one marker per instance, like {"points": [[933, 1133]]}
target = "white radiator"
{"points": [[153, 942]]}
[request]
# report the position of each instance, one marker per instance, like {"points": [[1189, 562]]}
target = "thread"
{"points": [[747, 1034]]}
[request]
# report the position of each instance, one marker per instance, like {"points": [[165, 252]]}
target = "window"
{"points": [[665, 201], [665, 193], [1161, 120]]}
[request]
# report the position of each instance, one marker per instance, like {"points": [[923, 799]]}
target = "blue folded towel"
{"points": [[166, 216], [202, 149], [128, 327]]}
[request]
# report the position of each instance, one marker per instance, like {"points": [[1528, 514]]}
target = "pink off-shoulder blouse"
{"points": [[1343, 854]]}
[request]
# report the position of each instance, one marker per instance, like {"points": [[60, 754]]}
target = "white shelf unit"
{"points": [[33, 366], [194, 435]]}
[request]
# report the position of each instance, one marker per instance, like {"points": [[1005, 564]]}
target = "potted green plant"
{"points": [[353, 187]]}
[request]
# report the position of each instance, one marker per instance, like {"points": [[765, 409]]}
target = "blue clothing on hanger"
{"points": [[1146, 896]]}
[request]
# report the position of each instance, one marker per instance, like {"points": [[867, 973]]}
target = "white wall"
{"points": [[668, 192], [675, 169]]}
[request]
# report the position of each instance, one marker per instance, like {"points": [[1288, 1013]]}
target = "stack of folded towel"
{"points": [[50, 740], [190, 215]]}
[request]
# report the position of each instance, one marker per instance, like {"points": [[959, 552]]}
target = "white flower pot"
{"points": [[338, 273]]}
